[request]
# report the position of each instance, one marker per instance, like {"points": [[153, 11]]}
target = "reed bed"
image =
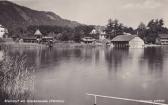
{"points": [[16, 78]]}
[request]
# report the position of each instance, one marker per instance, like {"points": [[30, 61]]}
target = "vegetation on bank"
{"points": [[148, 32], [16, 78]]}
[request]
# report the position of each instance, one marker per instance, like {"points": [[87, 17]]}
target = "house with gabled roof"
{"points": [[3, 31], [162, 39]]}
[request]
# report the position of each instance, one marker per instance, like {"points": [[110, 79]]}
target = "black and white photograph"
{"points": [[83, 52]]}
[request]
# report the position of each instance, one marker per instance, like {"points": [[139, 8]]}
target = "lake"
{"points": [[69, 73]]}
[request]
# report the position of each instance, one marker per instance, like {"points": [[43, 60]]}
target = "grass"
{"points": [[16, 79]]}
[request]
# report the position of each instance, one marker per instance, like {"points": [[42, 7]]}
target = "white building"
{"points": [[3, 31], [101, 34], [94, 31], [132, 41]]}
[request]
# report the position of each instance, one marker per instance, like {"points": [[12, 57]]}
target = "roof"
{"points": [[88, 39], [123, 38], [28, 37], [105, 41], [1, 26], [38, 32], [163, 35]]}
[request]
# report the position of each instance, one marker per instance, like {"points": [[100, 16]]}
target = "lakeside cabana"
{"points": [[29, 39], [132, 41], [47, 39]]}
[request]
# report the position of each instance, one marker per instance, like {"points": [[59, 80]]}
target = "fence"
{"points": [[124, 99]]}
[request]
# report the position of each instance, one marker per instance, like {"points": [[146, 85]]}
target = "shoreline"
{"points": [[56, 45], [62, 45]]}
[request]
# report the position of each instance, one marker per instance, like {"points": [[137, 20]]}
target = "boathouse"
{"points": [[132, 41], [162, 39], [29, 40], [88, 40]]}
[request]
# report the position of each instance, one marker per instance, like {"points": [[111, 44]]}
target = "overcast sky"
{"points": [[129, 12]]}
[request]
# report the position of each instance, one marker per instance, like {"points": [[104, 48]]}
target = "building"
{"points": [[94, 31], [99, 32], [38, 34], [47, 39], [162, 39], [3, 31], [102, 36], [29, 40], [132, 41], [33, 39], [88, 40]]}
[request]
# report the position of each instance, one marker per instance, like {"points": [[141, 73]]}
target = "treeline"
{"points": [[148, 32], [59, 33], [151, 31]]}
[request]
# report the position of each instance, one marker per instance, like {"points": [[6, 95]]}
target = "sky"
{"points": [[97, 12]]}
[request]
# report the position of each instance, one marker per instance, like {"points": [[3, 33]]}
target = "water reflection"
{"points": [[154, 58], [68, 73], [115, 57]]}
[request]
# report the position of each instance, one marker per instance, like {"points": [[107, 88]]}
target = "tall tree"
{"points": [[141, 30], [155, 27], [113, 28]]}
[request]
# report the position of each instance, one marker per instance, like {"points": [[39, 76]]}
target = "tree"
{"points": [[114, 28], [155, 27], [141, 30]]}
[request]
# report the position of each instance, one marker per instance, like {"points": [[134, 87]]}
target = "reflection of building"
{"points": [[132, 41], [162, 39], [3, 31]]}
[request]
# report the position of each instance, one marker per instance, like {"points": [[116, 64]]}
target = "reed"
{"points": [[16, 78]]}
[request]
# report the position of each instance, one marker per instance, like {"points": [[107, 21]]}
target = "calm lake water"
{"points": [[69, 73]]}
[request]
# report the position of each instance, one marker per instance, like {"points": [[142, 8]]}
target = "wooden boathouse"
{"points": [[132, 41]]}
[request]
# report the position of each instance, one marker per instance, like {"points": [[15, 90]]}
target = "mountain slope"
{"points": [[13, 15]]}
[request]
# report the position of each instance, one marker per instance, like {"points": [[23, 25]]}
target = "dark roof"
{"points": [[123, 38], [163, 35]]}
